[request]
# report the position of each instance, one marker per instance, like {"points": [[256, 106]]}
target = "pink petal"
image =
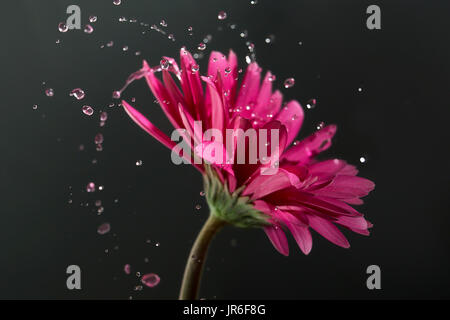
{"points": [[278, 239], [145, 124], [250, 86], [266, 184], [311, 146], [292, 117], [328, 230], [299, 231]]}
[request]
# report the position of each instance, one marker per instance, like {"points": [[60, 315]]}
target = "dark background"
{"points": [[398, 122]]}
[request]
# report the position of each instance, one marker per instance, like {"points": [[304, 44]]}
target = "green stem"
{"points": [[196, 259]]}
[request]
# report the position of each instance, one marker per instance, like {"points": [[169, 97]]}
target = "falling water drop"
{"points": [[88, 29], [62, 27], [90, 187], [163, 23], [98, 138], [362, 160], [35, 106], [222, 15], [49, 92], [198, 207], [103, 116], [201, 46], [150, 280], [117, 2], [104, 228], [92, 19], [116, 94], [127, 269], [78, 93], [87, 110], [289, 83], [311, 104], [139, 163], [320, 125]]}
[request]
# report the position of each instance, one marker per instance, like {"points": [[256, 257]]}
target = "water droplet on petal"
{"points": [[222, 15], [90, 187], [104, 228], [195, 68], [289, 83], [150, 280], [87, 110], [164, 63], [78, 93], [62, 27]]}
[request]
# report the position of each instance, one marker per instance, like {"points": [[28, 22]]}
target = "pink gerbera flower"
{"points": [[304, 193]]}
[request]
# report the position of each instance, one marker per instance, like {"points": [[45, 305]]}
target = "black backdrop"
{"points": [[398, 122]]}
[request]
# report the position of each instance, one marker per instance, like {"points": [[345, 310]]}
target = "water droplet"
{"points": [[125, 48], [116, 94], [272, 78], [190, 30], [222, 15], [35, 106], [138, 274], [49, 92], [244, 34], [360, 89], [138, 288], [90, 187], [202, 193], [100, 188], [201, 46], [320, 125], [362, 160], [150, 280], [139, 163], [104, 228], [87, 110], [98, 138], [117, 2], [78, 93], [88, 29], [103, 116], [62, 27], [164, 63], [163, 23], [110, 44], [92, 19], [198, 207], [253, 2], [171, 37], [311, 104], [157, 244], [289, 83], [127, 269], [195, 68], [122, 19], [100, 210], [248, 59], [300, 43]]}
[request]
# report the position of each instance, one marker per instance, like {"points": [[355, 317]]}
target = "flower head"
{"points": [[301, 193]]}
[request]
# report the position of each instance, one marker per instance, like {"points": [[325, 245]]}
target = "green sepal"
{"points": [[231, 207]]}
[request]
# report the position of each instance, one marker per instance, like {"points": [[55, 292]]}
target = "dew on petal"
{"points": [[87, 110], [62, 27], [164, 63], [222, 15], [104, 228], [90, 187], [78, 93], [150, 280], [49, 92], [289, 83]]}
